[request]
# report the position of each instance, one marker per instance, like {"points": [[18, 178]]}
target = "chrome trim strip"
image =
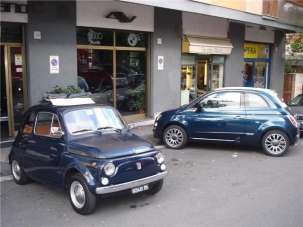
{"points": [[131, 184], [213, 139]]}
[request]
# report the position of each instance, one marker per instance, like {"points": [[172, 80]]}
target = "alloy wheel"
{"points": [[174, 137], [275, 143]]}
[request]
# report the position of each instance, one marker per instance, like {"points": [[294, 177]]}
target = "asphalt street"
{"points": [[207, 185]]}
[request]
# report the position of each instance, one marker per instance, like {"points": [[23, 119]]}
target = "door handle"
{"points": [[238, 117], [31, 141], [53, 148]]}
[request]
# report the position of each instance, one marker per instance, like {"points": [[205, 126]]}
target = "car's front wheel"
{"points": [[82, 199], [18, 172], [175, 137], [275, 143]]}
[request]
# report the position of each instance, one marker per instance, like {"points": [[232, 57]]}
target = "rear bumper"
{"points": [[130, 185]]}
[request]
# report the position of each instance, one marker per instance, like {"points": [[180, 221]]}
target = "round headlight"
{"points": [[160, 158], [109, 169]]}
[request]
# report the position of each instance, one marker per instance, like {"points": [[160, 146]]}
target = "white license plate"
{"points": [[140, 189]]}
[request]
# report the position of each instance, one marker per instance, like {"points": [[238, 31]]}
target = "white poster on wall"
{"points": [[53, 64], [160, 62]]}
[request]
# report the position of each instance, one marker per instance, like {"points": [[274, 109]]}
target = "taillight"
{"points": [[293, 120]]}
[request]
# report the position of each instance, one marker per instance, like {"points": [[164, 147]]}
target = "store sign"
{"points": [[94, 37], [54, 64], [132, 39], [256, 50]]}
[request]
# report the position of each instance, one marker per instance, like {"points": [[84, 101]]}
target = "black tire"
{"points": [[155, 188], [90, 198], [18, 176], [175, 130], [275, 143]]}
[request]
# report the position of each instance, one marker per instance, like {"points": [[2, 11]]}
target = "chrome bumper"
{"points": [[130, 184]]}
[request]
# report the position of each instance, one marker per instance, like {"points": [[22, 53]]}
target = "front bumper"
{"points": [[130, 185]]}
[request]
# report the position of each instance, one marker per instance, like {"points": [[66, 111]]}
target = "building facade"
{"points": [[140, 56]]}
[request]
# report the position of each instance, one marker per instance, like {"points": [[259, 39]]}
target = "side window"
{"points": [[255, 101], [47, 124], [29, 123], [222, 101]]}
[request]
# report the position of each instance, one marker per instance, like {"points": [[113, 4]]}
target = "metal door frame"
{"points": [[8, 83]]}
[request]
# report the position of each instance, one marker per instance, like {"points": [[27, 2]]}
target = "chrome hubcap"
{"points": [[77, 194], [275, 143], [174, 137], [16, 170]]}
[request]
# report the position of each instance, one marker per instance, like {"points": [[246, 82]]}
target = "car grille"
{"points": [[300, 117]]}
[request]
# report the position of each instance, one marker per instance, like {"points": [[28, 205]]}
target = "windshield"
{"points": [[297, 101], [92, 119]]}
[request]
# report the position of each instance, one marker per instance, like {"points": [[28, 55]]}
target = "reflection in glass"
{"points": [[17, 84], [130, 82], [260, 74], [95, 72], [92, 119]]}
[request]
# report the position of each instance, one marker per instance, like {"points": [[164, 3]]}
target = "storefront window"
{"points": [[95, 74], [113, 71], [199, 74], [130, 82], [256, 65]]}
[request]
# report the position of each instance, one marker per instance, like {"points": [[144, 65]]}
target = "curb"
{"points": [[141, 123]]}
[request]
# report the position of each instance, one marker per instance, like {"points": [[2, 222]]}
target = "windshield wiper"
{"points": [[83, 130], [109, 127]]}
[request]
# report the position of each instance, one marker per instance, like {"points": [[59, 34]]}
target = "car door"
{"points": [[259, 110], [44, 149], [219, 116]]}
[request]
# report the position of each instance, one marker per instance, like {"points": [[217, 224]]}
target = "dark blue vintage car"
{"points": [[251, 116], [86, 149]]}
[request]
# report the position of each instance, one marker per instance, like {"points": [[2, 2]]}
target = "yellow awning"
{"points": [[206, 46]]}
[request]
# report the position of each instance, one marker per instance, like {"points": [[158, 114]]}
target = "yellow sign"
{"points": [[256, 50]]}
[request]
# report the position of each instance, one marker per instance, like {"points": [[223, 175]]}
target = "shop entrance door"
{"points": [[12, 88]]}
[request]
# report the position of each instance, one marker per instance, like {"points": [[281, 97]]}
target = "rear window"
{"points": [[255, 101]]}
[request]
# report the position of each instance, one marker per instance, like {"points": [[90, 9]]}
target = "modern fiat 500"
{"points": [[86, 149], [237, 115]]}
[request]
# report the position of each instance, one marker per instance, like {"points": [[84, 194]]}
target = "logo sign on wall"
{"points": [[132, 39], [94, 37], [53, 64]]}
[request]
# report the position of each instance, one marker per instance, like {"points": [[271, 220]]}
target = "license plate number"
{"points": [[140, 189]]}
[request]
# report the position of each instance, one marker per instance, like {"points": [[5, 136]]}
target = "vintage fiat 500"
{"points": [[86, 149]]}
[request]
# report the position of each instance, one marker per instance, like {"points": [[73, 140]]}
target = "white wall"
{"points": [[92, 14], [201, 25], [254, 34]]}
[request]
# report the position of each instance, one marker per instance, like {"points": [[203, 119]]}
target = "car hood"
{"points": [[110, 145]]}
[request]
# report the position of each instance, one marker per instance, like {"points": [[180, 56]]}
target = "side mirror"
{"points": [[198, 108]]}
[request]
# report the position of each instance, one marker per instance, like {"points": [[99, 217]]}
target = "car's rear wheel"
{"points": [[275, 143], [18, 173], [155, 188], [82, 199], [175, 137]]}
